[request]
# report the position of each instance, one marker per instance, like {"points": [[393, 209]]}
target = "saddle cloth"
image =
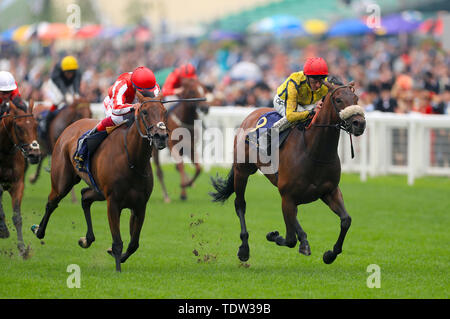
{"points": [[257, 137]]}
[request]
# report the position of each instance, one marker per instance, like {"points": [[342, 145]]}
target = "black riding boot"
{"points": [[77, 157]]}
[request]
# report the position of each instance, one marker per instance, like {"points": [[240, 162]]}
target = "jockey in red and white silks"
{"points": [[118, 104]]}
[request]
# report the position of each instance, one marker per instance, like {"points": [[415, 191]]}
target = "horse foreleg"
{"points": [[198, 170], [16, 193], [88, 196], [160, 175], [180, 169], [37, 173], [114, 225], [4, 232], [136, 222], [336, 203]]}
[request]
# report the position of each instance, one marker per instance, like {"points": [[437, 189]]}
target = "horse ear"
{"points": [[31, 106], [140, 96], [13, 106], [329, 85]]}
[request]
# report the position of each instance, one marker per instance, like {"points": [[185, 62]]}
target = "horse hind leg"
{"points": [[63, 178], [136, 222], [336, 203], [88, 196], [240, 183], [292, 226]]}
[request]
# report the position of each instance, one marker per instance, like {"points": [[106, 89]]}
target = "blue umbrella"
{"points": [[348, 27], [7, 35], [278, 24]]}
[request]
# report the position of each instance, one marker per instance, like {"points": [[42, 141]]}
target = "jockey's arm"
{"points": [[291, 105], [170, 85]]}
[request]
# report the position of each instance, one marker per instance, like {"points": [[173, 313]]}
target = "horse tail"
{"points": [[224, 187]]}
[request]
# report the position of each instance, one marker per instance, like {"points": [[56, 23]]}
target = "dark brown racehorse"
{"points": [[308, 169], [121, 168], [182, 116], [79, 109], [18, 143]]}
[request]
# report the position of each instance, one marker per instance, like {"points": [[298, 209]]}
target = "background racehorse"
{"points": [[79, 109], [183, 115], [122, 171], [309, 168], [18, 141]]}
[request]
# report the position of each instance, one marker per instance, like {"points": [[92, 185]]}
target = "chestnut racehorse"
{"points": [[183, 116], [79, 109], [18, 143], [122, 171], [308, 169]]}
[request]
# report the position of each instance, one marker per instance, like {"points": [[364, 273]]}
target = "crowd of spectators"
{"points": [[398, 74]]}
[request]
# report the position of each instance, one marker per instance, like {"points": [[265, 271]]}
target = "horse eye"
{"points": [[338, 100]]}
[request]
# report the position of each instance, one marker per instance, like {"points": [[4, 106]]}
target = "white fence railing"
{"points": [[412, 144]]}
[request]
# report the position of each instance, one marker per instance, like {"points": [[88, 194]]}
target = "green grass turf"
{"points": [[403, 229]]}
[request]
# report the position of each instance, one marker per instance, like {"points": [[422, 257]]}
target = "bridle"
{"points": [[21, 147], [341, 124]]}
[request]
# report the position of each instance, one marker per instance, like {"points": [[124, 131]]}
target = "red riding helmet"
{"points": [[143, 79], [315, 66], [187, 71]]}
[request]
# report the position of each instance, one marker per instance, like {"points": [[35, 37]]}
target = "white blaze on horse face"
{"points": [[351, 110]]}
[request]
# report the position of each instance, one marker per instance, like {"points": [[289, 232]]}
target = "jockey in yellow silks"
{"points": [[296, 97]]}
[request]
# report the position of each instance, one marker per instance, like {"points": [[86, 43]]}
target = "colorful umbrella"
{"points": [[89, 31], [110, 32], [23, 33], [315, 26], [53, 31], [349, 27], [7, 35], [405, 22], [278, 24], [432, 26]]}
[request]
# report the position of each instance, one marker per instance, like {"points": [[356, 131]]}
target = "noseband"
{"points": [[21, 147]]}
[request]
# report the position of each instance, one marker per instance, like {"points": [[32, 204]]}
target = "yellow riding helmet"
{"points": [[69, 63]]}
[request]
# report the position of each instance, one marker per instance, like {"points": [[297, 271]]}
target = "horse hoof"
{"points": [[183, 197], [4, 232], [35, 230], [272, 235], [167, 200], [83, 242], [329, 257], [304, 250], [243, 254], [109, 251]]}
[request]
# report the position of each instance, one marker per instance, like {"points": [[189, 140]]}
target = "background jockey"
{"points": [[62, 87], [296, 97], [118, 104], [172, 86], [9, 92]]}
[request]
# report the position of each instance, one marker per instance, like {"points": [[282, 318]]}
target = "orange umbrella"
{"points": [[53, 31], [89, 31]]}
